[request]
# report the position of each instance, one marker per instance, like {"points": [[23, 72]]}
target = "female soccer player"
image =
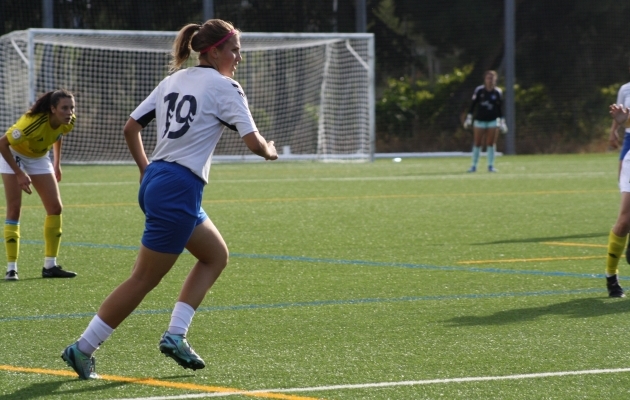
{"points": [[623, 98], [25, 160], [191, 108], [619, 232], [486, 104]]}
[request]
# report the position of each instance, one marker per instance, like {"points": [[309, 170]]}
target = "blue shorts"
{"points": [[625, 145], [170, 197], [485, 124]]}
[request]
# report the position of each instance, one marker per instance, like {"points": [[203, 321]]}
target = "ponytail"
{"points": [[181, 46]]}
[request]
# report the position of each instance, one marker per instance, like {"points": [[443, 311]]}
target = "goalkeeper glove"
{"points": [[502, 125], [468, 121]]}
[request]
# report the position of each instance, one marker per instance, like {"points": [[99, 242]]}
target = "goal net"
{"points": [[313, 94]]}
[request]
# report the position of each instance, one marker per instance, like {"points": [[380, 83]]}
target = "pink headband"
{"points": [[226, 37]]}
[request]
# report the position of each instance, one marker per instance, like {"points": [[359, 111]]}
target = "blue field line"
{"points": [[365, 263], [320, 303], [424, 266]]}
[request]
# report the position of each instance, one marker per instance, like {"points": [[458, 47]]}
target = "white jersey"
{"points": [[623, 97], [191, 108]]}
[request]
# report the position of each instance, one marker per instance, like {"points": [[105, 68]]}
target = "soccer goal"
{"points": [[312, 93]]}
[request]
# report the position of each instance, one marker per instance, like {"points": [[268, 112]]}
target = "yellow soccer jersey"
{"points": [[32, 135]]}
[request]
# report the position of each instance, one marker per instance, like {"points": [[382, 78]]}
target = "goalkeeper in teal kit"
{"points": [[488, 119]]}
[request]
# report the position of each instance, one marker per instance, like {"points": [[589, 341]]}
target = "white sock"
{"points": [[12, 266], [95, 334], [50, 262], [181, 318]]}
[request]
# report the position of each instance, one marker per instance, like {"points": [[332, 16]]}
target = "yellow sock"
{"points": [[616, 245], [12, 239], [52, 235]]}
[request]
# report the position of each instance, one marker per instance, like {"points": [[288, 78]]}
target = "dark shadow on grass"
{"points": [[579, 308], [545, 239], [45, 389]]}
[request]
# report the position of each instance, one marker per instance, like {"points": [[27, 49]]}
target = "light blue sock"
{"points": [[490, 153], [475, 155]]}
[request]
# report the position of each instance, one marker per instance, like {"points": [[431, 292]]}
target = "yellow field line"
{"points": [[576, 244], [515, 260], [159, 383]]}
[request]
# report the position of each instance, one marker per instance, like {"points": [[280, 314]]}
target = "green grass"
{"points": [[343, 275]]}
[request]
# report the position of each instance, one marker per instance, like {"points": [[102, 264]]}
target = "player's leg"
{"points": [[149, 269], [478, 133], [171, 213], [616, 244], [491, 139], [13, 196], [618, 234], [48, 190], [625, 147], [207, 245], [170, 196]]}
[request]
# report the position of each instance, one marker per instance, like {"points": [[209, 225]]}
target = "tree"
{"points": [[568, 52]]}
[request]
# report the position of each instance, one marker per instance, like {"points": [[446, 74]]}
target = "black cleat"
{"points": [[614, 290], [11, 276], [57, 272]]}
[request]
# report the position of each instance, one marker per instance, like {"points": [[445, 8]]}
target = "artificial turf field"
{"points": [[383, 280]]}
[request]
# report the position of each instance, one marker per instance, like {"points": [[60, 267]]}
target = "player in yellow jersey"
{"points": [[25, 160], [619, 232]]}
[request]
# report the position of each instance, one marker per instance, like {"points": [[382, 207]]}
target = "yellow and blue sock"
{"points": [[12, 242], [52, 235], [616, 245]]}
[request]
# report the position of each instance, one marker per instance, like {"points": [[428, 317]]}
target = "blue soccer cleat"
{"points": [[81, 363], [177, 347]]}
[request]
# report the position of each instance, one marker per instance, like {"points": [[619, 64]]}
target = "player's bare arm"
{"points": [[613, 138], [57, 159], [134, 142], [257, 144]]}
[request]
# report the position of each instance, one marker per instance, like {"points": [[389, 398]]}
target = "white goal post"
{"points": [[312, 93]]}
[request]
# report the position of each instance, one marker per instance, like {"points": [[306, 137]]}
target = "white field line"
{"points": [[462, 176], [549, 175], [392, 384]]}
